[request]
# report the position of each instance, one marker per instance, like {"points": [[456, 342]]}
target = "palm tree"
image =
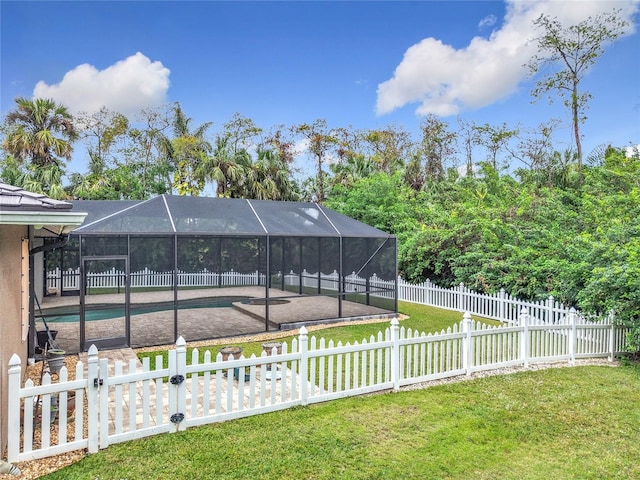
{"points": [[187, 151], [353, 168], [223, 166], [41, 132], [46, 180], [271, 178]]}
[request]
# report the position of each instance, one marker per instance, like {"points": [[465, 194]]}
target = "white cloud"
{"points": [[446, 80], [488, 21], [126, 87]]}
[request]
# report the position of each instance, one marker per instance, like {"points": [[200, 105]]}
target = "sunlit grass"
{"points": [[568, 423]]}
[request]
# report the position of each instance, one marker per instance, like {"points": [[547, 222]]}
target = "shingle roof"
{"points": [[17, 199]]}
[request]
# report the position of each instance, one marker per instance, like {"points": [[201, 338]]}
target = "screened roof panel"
{"points": [[218, 216], [347, 226], [98, 209], [150, 216], [293, 218]]}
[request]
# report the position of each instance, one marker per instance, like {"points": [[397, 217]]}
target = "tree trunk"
{"points": [[576, 128]]}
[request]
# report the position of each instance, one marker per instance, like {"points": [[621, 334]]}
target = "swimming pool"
{"points": [[108, 311]]}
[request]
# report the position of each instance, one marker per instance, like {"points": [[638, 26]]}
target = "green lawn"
{"points": [[568, 423]]}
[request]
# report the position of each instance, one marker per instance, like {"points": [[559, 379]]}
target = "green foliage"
{"points": [[551, 229], [574, 240], [379, 200]]}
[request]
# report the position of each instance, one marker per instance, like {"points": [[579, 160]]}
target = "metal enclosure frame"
{"points": [[296, 248]]}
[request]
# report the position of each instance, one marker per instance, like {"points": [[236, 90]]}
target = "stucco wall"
{"points": [[10, 313]]}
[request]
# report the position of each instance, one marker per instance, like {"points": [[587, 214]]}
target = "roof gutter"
{"points": [[63, 221]]}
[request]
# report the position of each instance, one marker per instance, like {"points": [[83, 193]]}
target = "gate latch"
{"points": [[177, 417], [176, 379]]}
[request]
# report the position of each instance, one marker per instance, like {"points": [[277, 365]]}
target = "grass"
{"points": [[421, 317], [565, 423], [568, 423]]}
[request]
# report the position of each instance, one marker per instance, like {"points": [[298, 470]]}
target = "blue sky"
{"points": [[360, 64]]}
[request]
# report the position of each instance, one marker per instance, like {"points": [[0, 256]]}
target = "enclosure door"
{"points": [[104, 309]]}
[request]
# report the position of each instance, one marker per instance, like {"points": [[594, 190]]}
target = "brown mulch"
{"points": [[36, 468]]}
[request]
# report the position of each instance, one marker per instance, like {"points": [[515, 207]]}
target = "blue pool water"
{"points": [[105, 312]]}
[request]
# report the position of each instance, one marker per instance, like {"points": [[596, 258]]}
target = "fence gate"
{"points": [[104, 310]]}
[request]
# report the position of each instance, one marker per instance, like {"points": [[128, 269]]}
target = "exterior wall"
{"points": [[10, 313], [38, 269]]}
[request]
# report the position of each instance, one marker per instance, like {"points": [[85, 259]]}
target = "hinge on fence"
{"points": [[177, 417], [176, 379], [97, 382]]}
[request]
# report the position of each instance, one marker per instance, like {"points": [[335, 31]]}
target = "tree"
{"points": [[101, 130], [145, 151], [320, 141], [575, 49], [223, 166], [280, 140], [468, 136], [40, 131], [241, 130], [351, 169], [268, 178], [388, 148], [494, 139], [188, 150], [435, 148]]}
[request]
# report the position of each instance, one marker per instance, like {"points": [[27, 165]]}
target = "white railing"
{"points": [[133, 403], [68, 280], [353, 283], [500, 306]]}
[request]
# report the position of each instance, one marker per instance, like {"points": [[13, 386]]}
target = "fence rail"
{"points": [[499, 306], [60, 280], [135, 403]]}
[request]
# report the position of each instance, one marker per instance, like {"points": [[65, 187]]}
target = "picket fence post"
{"points": [[550, 302], [573, 336], [467, 343], [181, 387], [460, 299], [395, 353], [523, 322], [612, 336], [501, 305], [13, 433], [93, 405], [428, 298], [303, 342]]}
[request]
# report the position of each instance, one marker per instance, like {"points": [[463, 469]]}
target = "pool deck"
{"points": [[157, 328]]}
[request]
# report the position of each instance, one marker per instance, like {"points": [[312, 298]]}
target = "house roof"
{"points": [[169, 214], [16, 198], [21, 207]]}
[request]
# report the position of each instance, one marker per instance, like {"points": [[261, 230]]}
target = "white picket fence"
{"points": [[134, 403], [500, 306], [68, 280]]}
